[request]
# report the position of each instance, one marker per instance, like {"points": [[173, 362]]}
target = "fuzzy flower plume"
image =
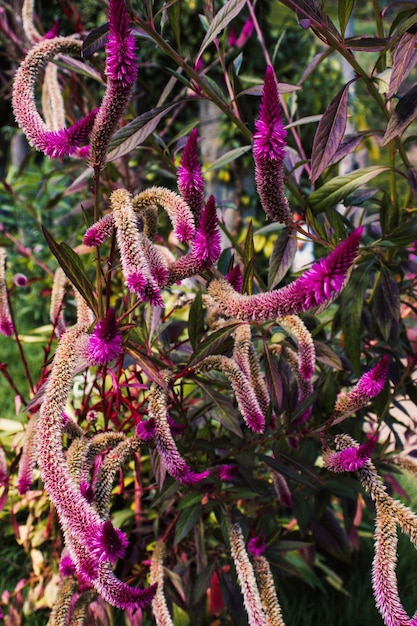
{"points": [[207, 241], [165, 444], [93, 543], [121, 70], [190, 178], [282, 490], [57, 302], [246, 576], [62, 605], [159, 605], [316, 288], [53, 143], [135, 267], [245, 356], [294, 326], [305, 387], [52, 100], [269, 598], [6, 323], [350, 459], [179, 212], [369, 385], [105, 342], [242, 387], [27, 460], [100, 231], [268, 152]]}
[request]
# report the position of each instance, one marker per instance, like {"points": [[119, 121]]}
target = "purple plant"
{"points": [[105, 342]]}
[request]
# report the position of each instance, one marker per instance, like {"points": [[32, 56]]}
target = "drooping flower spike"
{"points": [[269, 598], [295, 327], [57, 301], [389, 513], [314, 289], [159, 604], [190, 178], [268, 153], [6, 323], [28, 25], [96, 234], [165, 444], [179, 212], [369, 385], [121, 71], [251, 598], [93, 544], [53, 143], [52, 101], [136, 270], [282, 489]]}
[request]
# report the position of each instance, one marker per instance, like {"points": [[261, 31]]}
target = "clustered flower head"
{"points": [[369, 385], [105, 342]]}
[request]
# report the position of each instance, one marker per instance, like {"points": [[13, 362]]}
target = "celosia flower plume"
{"points": [[316, 288], [206, 244], [268, 152], [190, 178], [349, 459], [159, 604], [6, 323], [369, 385]]}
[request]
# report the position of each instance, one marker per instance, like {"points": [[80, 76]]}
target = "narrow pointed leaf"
{"points": [[73, 268], [344, 8], [146, 365], [339, 188], [329, 132], [249, 258], [196, 321], [95, 40], [348, 145], [405, 58], [282, 256], [136, 132], [405, 112], [230, 10], [227, 158], [186, 521], [213, 344], [352, 299]]}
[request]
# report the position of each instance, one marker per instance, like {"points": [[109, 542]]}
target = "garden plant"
{"points": [[207, 302]]}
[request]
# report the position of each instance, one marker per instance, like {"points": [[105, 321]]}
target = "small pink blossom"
{"points": [[257, 545], [105, 342]]}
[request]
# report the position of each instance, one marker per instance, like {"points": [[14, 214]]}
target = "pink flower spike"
{"points": [[349, 459], [190, 179], [269, 139], [257, 546], [121, 64], [64, 142], [100, 231], [207, 240], [372, 382], [105, 342]]}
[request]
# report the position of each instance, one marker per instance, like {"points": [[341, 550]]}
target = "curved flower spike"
{"points": [[251, 598], [52, 100], [6, 323], [179, 212], [369, 385], [165, 444], [29, 28], [53, 143], [135, 266], [159, 605], [269, 598], [295, 326], [57, 301], [190, 179], [27, 461], [268, 152], [245, 356], [61, 607], [316, 288], [100, 231], [121, 70], [243, 389]]}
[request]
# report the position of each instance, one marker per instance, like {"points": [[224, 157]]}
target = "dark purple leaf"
{"points": [[273, 379], [325, 355], [293, 163], [329, 132], [316, 60], [405, 113], [95, 41], [367, 43], [146, 365], [405, 58], [282, 256], [213, 344], [347, 146]]}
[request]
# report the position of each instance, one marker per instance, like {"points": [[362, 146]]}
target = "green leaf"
{"points": [[186, 522], [337, 189], [196, 321], [249, 259], [352, 298], [174, 14], [73, 268], [190, 500], [202, 583], [213, 344], [136, 132], [386, 302], [283, 253], [220, 21], [287, 471], [344, 9], [226, 158]]}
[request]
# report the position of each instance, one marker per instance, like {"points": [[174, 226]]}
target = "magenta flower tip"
{"points": [[136, 282], [226, 472], [146, 430], [269, 138], [121, 62], [64, 142], [184, 231], [111, 544], [105, 342], [207, 240], [54, 32], [349, 459], [235, 278], [6, 326], [66, 566], [372, 382], [190, 179], [23, 484], [257, 546], [191, 478], [87, 491]]}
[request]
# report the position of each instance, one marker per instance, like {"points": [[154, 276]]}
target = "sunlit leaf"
{"points": [[344, 9], [230, 10]]}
